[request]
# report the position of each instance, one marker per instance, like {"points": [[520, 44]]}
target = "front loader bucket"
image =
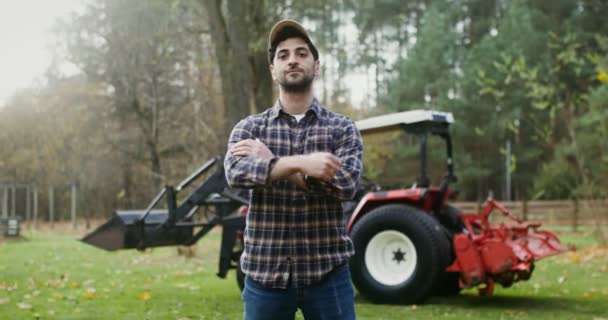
{"points": [[125, 231]]}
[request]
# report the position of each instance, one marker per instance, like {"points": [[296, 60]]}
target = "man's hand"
{"points": [[298, 180], [251, 148], [321, 165]]}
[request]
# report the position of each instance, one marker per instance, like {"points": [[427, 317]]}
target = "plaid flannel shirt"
{"points": [[293, 235]]}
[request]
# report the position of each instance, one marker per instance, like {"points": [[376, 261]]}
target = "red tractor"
{"points": [[410, 243]]}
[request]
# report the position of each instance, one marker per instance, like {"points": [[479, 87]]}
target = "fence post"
{"points": [[575, 212], [35, 209], [28, 205], [524, 209], [51, 207], [5, 203], [73, 206], [13, 201]]}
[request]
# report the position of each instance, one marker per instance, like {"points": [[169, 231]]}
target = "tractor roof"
{"points": [[405, 119]]}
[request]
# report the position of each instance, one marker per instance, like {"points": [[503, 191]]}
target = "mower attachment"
{"points": [[505, 253]]}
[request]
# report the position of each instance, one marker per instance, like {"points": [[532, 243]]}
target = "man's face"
{"points": [[294, 66]]}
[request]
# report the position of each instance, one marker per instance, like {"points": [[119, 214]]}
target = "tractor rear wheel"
{"points": [[398, 254]]}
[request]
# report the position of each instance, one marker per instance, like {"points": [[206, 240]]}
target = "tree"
{"points": [[137, 52]]}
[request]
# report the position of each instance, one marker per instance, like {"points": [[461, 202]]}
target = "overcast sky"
{"points": [[25, 35]]}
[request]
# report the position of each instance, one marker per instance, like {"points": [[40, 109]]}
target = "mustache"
{"points": [[294, 69]]}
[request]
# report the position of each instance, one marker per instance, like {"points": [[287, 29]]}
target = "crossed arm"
{"points": [[249, 163]]}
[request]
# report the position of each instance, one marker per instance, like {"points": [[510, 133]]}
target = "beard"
{"points": [[297, 86]]}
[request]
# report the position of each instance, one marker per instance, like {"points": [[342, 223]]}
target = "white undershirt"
{"points": [[298, 116]]}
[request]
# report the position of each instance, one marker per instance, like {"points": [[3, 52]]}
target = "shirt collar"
{"points": [[277, 109]]}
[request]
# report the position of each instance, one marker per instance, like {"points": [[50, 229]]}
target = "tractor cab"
{"points": [[422, 125]]}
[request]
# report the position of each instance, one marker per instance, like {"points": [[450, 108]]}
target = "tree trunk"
{"points": [[231, 50], [262, 84], [126, 201]]}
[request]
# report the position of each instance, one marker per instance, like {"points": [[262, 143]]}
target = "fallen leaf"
{"points": [[75, 284], [8, 287], [57, 295], [24, 306], [561, 279], [576, 259], [144, 296], [4, 300], [89, 293], [55, 284]]}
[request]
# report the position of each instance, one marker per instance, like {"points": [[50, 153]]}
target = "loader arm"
{"points": [[141, 229]]}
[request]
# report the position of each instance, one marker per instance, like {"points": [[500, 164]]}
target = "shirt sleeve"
{"points": [[344, 185], [245, 172]]}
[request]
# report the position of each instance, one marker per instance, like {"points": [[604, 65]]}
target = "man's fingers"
{"points": [[336, 160], [240, 154], [246, 142], [251, 148], [240, 149]]}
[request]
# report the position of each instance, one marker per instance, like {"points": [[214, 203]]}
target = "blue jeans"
{"points": [[333, 298]]}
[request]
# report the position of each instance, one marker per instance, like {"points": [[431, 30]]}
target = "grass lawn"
{"points": [[51, 275]]}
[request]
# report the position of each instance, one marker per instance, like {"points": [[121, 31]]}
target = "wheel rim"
{"points": [[390, 257]]}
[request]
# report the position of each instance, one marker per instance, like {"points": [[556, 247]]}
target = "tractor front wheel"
{"points": [[397, 254]]}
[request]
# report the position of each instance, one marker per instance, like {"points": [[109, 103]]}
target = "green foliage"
{"points": [[532, 90], [428, 71]]}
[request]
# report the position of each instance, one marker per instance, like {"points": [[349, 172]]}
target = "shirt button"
{"points": [[286, 276]]}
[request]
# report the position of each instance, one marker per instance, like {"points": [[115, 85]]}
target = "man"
{"points": [[300, 161]]}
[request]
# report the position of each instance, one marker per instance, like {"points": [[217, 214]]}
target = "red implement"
{"points": [[504, 253]]}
